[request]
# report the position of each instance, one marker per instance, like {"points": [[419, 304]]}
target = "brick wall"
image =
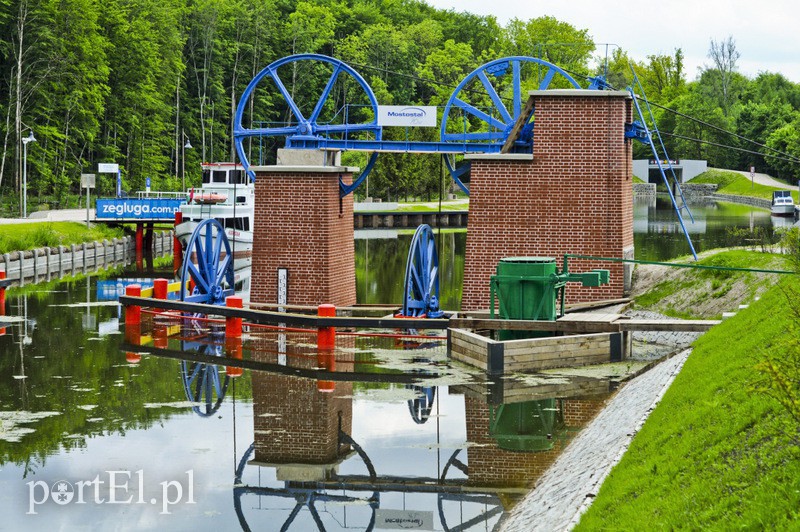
{"points": [[574, 197], [294, 421], [302, 225]]}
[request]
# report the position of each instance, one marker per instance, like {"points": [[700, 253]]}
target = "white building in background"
{"points": [[685, 169]]}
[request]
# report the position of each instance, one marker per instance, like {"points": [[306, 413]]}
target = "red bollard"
{"points": [[133, 313], [161, 337], [132, 358], [326, 343], [177, 251], [327, 361], [2, 294], [233, 325], [233, 348], [2, 300], [326, 336], [160, 288]]}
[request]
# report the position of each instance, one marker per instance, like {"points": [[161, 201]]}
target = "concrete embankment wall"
{"points": [[47, 263]]}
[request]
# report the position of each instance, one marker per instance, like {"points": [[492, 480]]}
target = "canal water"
{"points": [[100, 430]]}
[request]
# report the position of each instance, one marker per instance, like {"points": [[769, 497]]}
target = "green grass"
{"points": [[737, 184], [16, 237], [715, 454], [637, 180]]}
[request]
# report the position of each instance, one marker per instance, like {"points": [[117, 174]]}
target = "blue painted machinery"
{"points": [[208, 264], [488, 112]]}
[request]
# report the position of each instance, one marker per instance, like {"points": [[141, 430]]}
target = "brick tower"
{"points": [[572, 195]]}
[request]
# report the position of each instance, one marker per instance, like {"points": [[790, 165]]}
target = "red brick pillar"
{"points": [[302, 225], [574, 195]]}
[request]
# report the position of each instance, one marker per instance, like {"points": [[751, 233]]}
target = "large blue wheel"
{"points": [[203, 386], [486, 105], [421, 285], [322, 114], [208, 264]]}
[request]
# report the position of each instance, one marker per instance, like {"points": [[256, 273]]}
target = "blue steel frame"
{"points": [[308, 133], [421, 285]]}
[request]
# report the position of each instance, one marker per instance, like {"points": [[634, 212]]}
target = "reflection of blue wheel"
{"points": [[486, 105], [421, 286], [208, 264], [202, 383]]}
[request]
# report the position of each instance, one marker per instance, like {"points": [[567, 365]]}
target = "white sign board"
{"points": [[107, 168], [403, 519], [752, 171], [87, 180], [407, 115]]}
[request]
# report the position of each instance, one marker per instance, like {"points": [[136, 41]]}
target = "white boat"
{"points": [[782, 203], [227, 195]]}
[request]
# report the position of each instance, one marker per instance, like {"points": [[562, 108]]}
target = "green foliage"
{"points": [[735, 183], [713, 454], [50, 234], [128, 81]]}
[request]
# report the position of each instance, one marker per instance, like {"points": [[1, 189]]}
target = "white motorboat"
{"points": [[227, 195], [782, 203]]}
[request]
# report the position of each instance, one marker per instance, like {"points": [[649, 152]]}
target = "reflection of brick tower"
{"points": [[491, 465], [573, 195], [297, 420]]}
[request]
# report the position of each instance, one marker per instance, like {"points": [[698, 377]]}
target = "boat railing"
{"points": [[145, 194]]}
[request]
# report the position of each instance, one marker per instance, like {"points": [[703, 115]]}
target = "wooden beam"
{"points": [[524, 115], [572, 326], [666, 325]]}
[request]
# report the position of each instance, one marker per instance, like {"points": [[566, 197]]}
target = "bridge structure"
{"points": [[546, 162]]}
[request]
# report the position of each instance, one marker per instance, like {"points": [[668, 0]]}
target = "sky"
{"points": [[766, 32]]}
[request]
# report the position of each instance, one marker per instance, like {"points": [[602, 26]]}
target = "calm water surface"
{"points": [[99, 433]]}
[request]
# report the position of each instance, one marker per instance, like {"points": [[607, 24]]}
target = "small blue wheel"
{"points": [[202, 384], [421, 286], [208, 264]]}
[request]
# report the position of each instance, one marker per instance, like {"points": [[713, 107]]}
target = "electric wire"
{"points": [[716, 144]]}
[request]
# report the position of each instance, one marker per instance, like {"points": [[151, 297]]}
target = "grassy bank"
{"points": [[716, 453], [16, 237], [736, 184]]}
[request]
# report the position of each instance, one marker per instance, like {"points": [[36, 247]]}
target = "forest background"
{"points": [[130, 81]]}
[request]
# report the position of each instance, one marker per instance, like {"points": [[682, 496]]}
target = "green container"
{"points": [[525, 289]]}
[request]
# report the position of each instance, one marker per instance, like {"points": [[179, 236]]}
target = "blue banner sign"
{"points": [[138, 208]]}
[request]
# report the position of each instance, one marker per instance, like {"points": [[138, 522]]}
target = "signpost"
{"points": [[752, 176], [87, 182], [111, 168]]}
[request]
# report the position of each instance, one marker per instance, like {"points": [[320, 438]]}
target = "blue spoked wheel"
{"points": [[208, 264], [486, 105], [421, 286], [316, 107]]}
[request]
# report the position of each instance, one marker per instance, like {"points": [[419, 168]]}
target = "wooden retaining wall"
{"points": [[534, 354], [394, 220], [46, 263]]}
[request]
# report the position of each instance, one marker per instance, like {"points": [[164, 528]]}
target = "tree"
{"points": [[724, 57]]}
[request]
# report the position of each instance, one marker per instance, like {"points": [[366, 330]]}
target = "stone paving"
{"points": [[568, 488]]}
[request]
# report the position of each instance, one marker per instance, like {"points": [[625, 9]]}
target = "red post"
{"points": [[160, 288], [326, 336], [161, 337], [2, 300], [2, 294], [177, 251], [327, 361], [233, 324], [132, 358], [326, 343], [139, 246], [133, 313], [233, 348]]}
